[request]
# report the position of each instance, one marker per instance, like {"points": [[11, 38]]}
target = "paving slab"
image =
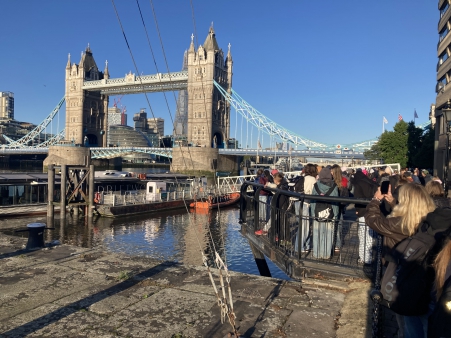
{"points": [[66, 291]]}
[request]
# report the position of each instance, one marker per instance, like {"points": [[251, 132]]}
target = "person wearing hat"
{"points": [[425, 177]]}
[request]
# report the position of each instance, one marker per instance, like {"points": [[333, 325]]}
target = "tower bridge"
{"points": [[205, 101]]}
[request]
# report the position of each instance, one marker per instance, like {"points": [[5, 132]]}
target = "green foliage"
{"points": [[393, 144], [406, 145], [414, 142], [373, 154], [124, 275], [424, 158]]}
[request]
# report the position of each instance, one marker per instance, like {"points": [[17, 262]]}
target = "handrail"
{"points": [[310, 197]]}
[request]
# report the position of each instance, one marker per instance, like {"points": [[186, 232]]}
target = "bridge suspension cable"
{"points": [[274, 129], [23, 142]]}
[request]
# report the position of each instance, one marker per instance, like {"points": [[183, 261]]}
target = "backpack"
{"points": [[297, 184], [323, 210], [407, 283]]}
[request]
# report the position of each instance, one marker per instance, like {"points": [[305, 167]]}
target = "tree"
{"points": [[414, 143], [392, 145], [424, 158], [373, 154]]}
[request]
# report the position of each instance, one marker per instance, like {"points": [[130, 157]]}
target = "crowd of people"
{"points": [[404, 206]]}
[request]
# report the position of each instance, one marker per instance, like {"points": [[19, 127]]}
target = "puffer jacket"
{"points": [[390, 228]]}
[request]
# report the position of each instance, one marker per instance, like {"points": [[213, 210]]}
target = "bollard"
{"points": [[35, 235]]}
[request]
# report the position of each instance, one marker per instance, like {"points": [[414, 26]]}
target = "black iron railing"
{"points": [[286, 221]]}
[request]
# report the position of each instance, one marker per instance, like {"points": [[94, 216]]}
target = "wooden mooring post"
{"points": [[76, 190]]}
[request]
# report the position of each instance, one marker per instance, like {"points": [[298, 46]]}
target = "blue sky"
{"points": [[328, 70]]}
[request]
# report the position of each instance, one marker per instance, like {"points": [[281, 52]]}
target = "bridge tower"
{"points": [[208, 112], [86, 112], [208, 122]]}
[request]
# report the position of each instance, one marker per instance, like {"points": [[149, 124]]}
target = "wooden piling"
{"points": [[51, 191], [63, 191], [91, 191]]}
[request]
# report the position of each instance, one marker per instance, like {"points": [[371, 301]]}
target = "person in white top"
{"points": [[310, 174]]}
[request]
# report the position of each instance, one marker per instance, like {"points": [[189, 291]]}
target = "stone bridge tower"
{"points": [[208, 112], [86, 112]]}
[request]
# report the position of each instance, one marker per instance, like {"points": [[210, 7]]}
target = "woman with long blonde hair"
{"points": [[440, 319], [414, 205]]}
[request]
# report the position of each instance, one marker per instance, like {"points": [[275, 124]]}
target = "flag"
{"points": [[385, 120], [415, 115], [259, 144], [399, 117]]}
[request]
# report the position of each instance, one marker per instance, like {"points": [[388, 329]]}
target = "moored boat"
{"points": [[216, 201]]}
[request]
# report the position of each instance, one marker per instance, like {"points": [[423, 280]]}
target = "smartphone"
{"points": [[384, 187]]}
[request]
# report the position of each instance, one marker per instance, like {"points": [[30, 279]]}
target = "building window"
{"points": [[441, 84], [444, 9], [442, 58], [443, 33]]}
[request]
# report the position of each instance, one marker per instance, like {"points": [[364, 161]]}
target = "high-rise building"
{"points": [[6, 106], [141, 124], [443, 89], [115, 118], [156, 125], [140, 120]]}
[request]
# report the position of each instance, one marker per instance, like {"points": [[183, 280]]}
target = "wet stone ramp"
{"points": [[67, 291]]}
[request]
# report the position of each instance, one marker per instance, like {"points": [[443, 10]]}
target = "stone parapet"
{"points": [[68, 155], [201, 159]]}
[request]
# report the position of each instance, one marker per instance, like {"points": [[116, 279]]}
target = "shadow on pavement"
{"points": [[69, 309]]}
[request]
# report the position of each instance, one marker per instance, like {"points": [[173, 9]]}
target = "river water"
{"points": [[168, 236]]}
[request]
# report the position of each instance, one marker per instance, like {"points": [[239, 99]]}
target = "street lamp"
{"points": [[446, 111]]}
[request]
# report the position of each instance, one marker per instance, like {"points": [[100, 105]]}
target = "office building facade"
{"points": [[6, 106], [156, 125], [443, 89]]}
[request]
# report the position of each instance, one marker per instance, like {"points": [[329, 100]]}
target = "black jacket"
{"points": [[283, 201], [440, 320], [363, 188], [442, 202]]}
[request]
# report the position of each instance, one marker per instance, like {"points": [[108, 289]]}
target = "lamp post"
{"points": [[446, 111]]}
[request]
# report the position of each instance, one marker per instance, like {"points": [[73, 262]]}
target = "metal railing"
{"points": [[286, 221], [229, 184]]}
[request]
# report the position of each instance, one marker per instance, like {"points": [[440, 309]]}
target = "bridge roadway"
{"points": [[111, 152]]}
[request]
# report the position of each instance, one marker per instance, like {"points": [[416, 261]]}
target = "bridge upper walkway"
{"points": [[132, 84]]}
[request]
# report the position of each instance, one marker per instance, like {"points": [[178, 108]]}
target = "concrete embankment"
{"points": [[67, 291]]}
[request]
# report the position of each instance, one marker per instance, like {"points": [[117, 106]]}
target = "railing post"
{"points": [[257, 208], [300, 228], [272, 232], [243, 203]]}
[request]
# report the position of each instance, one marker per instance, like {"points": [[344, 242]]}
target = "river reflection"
{"points": [[170, 236]]}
